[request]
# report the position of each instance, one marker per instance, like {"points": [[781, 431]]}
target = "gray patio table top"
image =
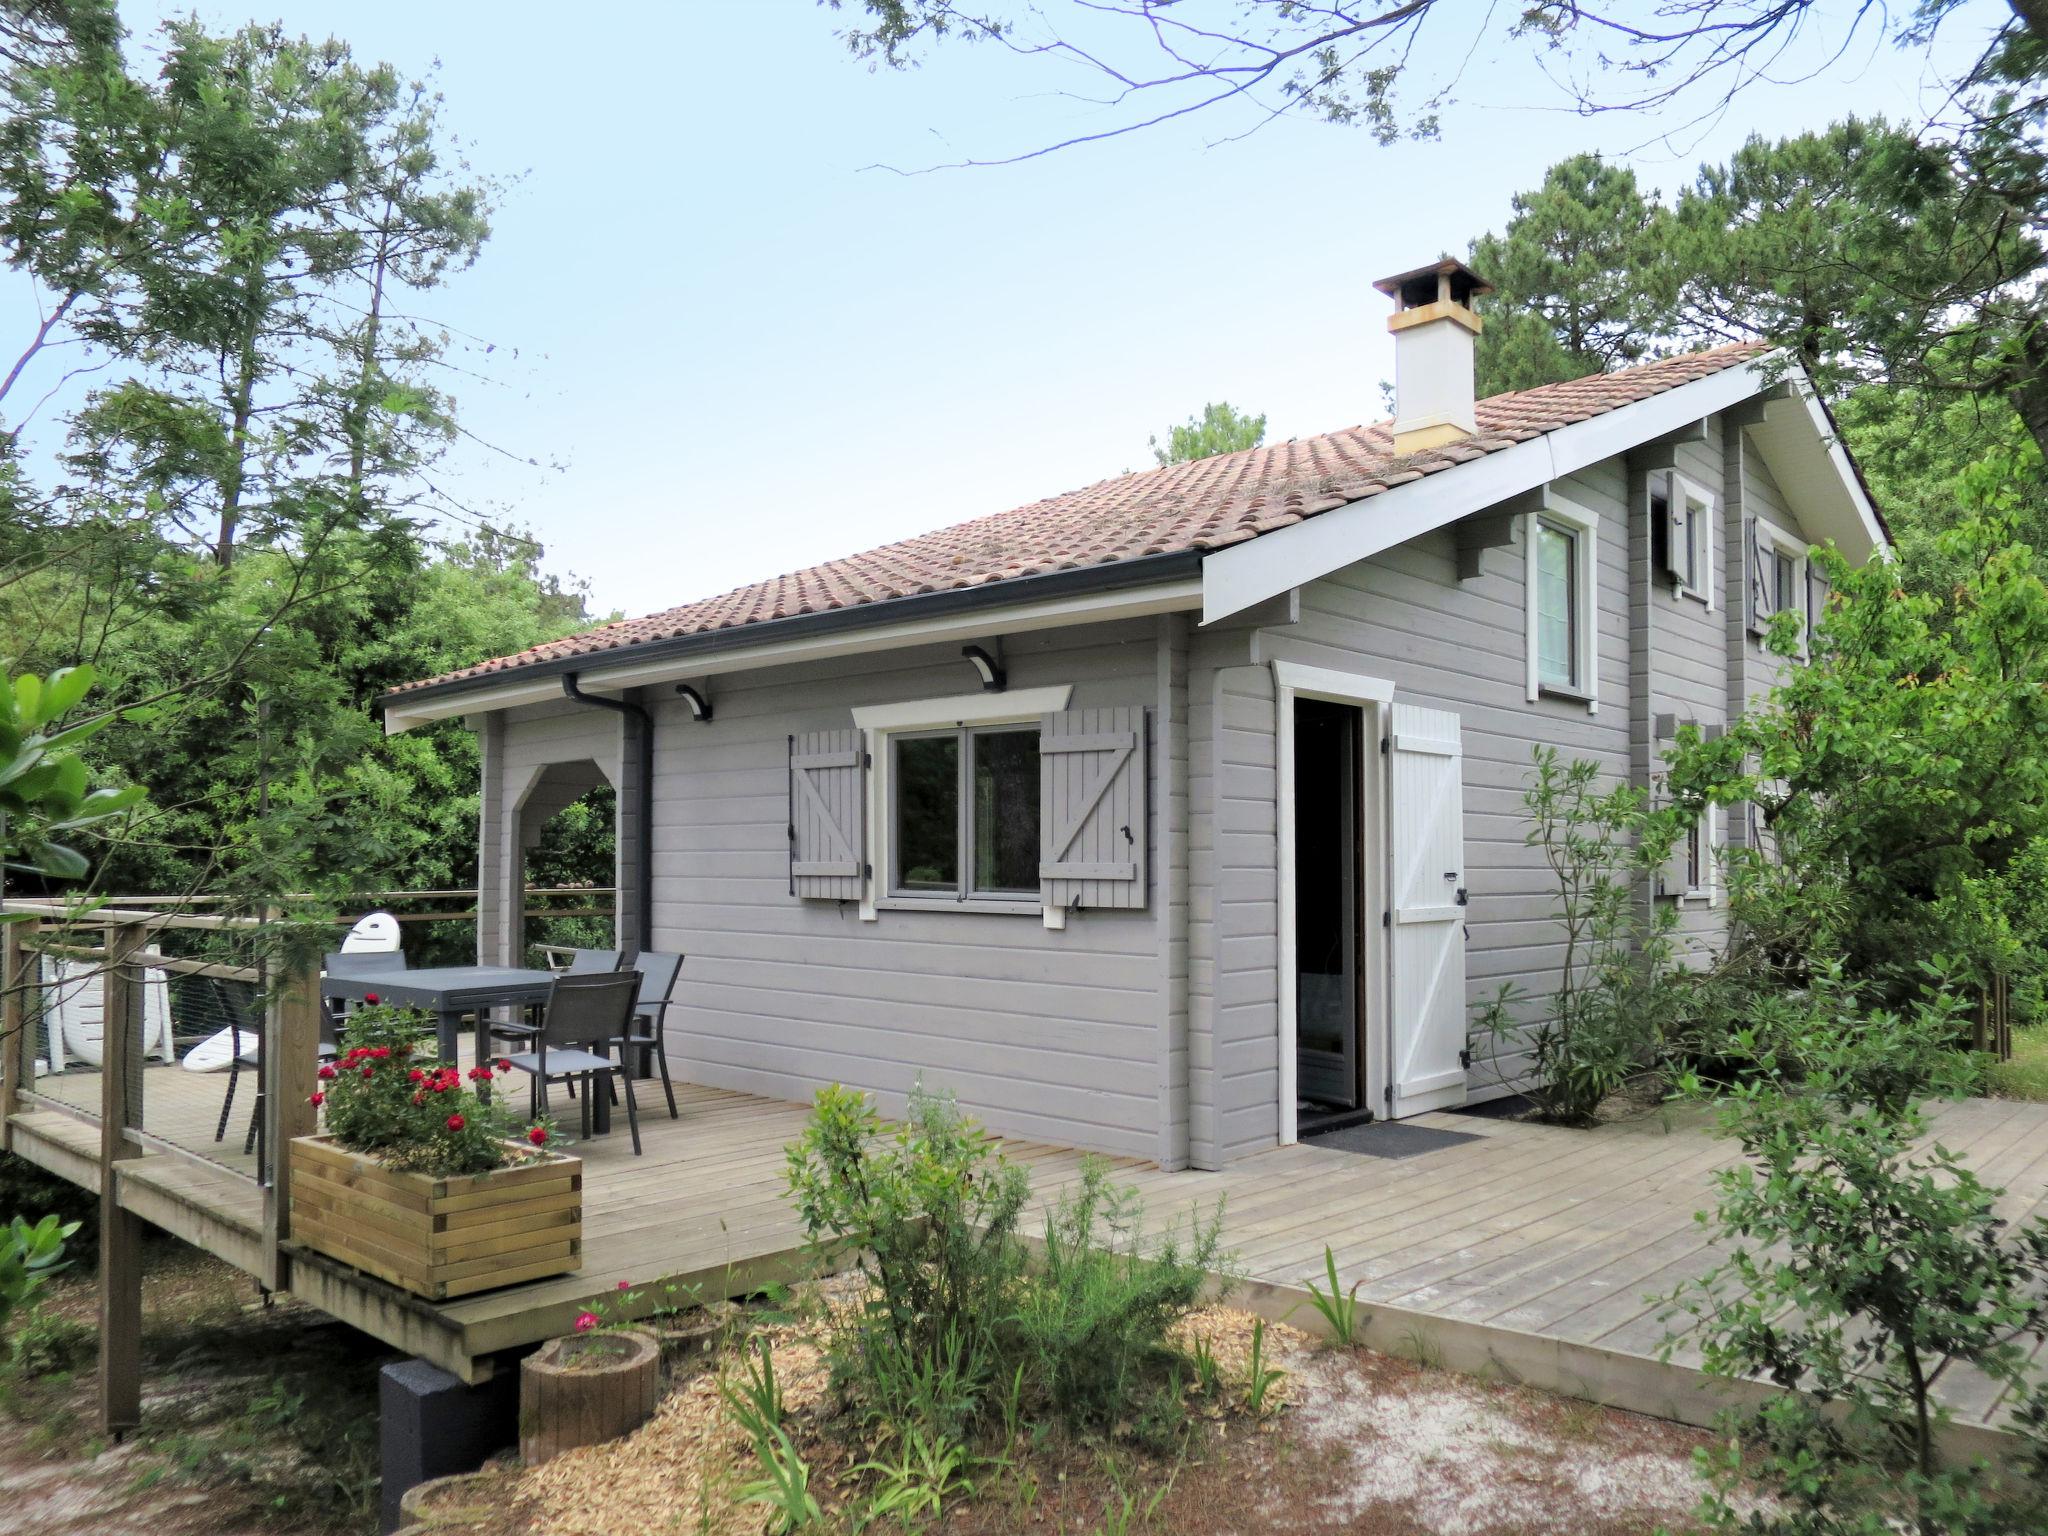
{"points": [[449, 992]]}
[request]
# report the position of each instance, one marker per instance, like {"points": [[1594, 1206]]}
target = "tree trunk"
{"points": [[2030, 392], [584, 1389]]}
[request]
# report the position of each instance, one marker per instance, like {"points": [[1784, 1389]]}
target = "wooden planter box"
{"points": [[439, 1237]]}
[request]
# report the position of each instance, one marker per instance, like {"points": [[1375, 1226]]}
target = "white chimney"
{"points": [[1434, 325]]}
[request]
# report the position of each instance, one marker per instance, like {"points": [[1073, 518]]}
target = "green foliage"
{"points": [[1580, 280], [2025, 1076], [1337, 1307], [1615, 1002], [386, 1095], [1221, 428], [928, 1470], [1858, 1258], [756, 1405], [46, 792], [30, 1252], [1092, 1324], [930, 1211], [50, 1344], [1898, 779], [1260, 1378], [955, 1326]]}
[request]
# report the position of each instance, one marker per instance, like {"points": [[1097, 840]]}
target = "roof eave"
{"points": [[695, 654]]}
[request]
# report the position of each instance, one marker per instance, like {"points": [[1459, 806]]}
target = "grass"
{"points": [[2026, 1075]]}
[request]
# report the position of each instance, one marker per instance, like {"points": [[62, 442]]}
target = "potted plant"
{"points": [[419, 1181]]}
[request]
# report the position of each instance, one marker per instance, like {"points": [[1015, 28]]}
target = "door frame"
{"points": [[1295, 680]]}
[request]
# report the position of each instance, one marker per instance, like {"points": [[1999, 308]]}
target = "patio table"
{"points": [[450, 993]]}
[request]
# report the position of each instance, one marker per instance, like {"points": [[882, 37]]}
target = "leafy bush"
{"points": [[1092, 1324], [929, 1210], [1859, 1259], [1615, 1001], [387, 1095], [49, 1344], [30, 1252], [953, 1312]]}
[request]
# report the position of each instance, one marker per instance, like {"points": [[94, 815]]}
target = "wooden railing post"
{"points": [[121, 1058], [17, 1066], [291, 1060]]}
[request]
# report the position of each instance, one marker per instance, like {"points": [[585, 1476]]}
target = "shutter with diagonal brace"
{"points": [[1817, 590], [1758, 551], [1092, 804], [827, 814]]}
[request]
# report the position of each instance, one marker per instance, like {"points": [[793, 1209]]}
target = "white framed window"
{"points": [[1562, 579], [1682, 516], [1777, 577], [1702, 857], [955, 801]]}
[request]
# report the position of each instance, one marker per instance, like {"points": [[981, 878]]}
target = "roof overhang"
{"points": [[1792, 433], [1093, 594]]}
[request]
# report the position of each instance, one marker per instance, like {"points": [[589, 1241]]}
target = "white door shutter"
{"points": [[1091, 808], [827, 814], [1426, 805], [1758, 551], [1817, 589]]}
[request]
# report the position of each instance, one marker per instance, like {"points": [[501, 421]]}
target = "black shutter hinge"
{"points": [[792, 831], [1386, 745], [867, 759], [1386, 919], [1388, 1094], [1465, 1058]]}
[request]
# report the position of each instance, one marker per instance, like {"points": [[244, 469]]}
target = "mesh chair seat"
{"points": [[564, 1061]]}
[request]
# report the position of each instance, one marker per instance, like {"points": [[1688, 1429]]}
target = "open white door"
{"points": [[1426, 848]]}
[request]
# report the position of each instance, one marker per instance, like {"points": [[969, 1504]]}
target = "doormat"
{"points": [[1389, 1138]]}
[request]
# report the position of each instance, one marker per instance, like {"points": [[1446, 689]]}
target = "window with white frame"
{"points": [[1562, 583], [953, 800], [1682, 532], [1777, 576], [1697, 857]]}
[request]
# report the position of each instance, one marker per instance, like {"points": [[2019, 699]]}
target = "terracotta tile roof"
{"points": [[1204, 505]]}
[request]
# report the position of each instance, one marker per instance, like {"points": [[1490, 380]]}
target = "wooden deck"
{"points": [[1526, 1251]]}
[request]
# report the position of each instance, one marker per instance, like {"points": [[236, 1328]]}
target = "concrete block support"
{"points": [[431, 1424]]}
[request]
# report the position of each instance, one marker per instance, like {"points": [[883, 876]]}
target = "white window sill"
{"points": [[1563, 692], [1695, 594], [1020, 907]]}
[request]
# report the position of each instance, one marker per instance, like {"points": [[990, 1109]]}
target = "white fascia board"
{"points": [[1235, 577], [611, 676]]}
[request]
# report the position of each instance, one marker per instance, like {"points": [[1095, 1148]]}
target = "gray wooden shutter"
{"points": [[827, 814], [1092, 775], [1758, 550]]}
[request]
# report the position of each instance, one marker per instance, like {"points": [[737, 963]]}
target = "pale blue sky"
{"points": [[748, 353]]}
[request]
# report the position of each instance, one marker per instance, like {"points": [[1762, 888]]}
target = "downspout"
{"points": [[643, 892]]}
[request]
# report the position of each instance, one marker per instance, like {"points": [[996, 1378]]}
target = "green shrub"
{"points": [[1858, 1259], [49, 1344], [1617, 996], [1093, 1321], [929, 1210]]}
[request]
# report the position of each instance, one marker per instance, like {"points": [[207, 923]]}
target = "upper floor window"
{"points": [[1561, 579], [1778, 580], [1682, 533]]}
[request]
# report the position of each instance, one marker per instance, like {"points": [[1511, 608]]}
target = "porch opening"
{"points": [[1329, 859], [568, 837]]}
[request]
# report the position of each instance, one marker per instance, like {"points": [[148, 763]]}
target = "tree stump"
{"points": [[584, 1389]]}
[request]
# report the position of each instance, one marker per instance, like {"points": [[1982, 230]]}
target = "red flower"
{"points": [[367, 1069], [326, 1071], [480, 1074], [316, 1099], [415, 1076], [586, 1322], [455, 1122], [504, 1064], [625, 1285], [369, 997], [538, 1135], [380, 1053]]}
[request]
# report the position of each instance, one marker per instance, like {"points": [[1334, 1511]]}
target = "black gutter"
{"points": [[1110, 576], [643, 893]]}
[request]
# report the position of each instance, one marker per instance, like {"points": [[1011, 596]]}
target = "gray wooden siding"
{"points": [[1170, 851], [1682, 653], [1750, 669], [1052, 1035], [1462, 646]]}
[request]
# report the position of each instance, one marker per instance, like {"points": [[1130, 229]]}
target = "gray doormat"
{"points": [[1388, 1138]]}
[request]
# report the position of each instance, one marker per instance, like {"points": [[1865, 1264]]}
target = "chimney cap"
{"points": [[1449, 278]]}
